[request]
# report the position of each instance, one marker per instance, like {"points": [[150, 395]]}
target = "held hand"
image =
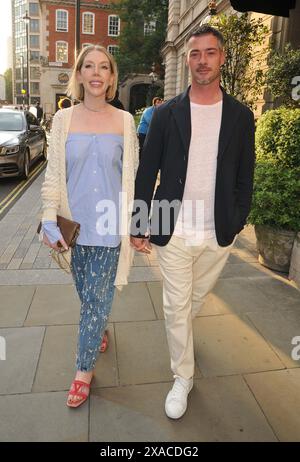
{"points": [[58, 246], [141, 244]]}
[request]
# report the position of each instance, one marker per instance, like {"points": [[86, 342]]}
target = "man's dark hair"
{"points": [[204, 30]]}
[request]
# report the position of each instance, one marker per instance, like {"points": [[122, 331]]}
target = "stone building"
{"points": [[186, 15]]}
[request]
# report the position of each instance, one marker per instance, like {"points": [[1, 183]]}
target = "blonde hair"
{"points": [[76, 90]]}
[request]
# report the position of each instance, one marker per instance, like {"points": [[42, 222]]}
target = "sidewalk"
{"points": [[246, 383]]}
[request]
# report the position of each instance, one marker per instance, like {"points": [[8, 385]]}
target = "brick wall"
{"points": [[100, 35]]}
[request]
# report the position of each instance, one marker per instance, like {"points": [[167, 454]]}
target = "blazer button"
{"points": [[180, 180]]}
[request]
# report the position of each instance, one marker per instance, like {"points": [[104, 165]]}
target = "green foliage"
{"points": [[283, 67], [8, 85], [276, 198], [278, 137], [240, 77], [139, 51]]}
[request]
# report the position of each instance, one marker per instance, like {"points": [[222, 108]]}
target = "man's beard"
{"points": [[208, 80]]}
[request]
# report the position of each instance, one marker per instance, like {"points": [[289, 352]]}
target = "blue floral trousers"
{"points": [[94, 269]]}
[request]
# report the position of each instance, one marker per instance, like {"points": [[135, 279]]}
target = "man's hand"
{"points": [[141, 244]]}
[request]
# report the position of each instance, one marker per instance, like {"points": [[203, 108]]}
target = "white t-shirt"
{"points": [[196, 221]]}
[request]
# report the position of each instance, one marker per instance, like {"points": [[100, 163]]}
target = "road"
{"points": [[11, 189]]}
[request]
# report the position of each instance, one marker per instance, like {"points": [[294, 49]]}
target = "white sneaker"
{"points": [[176, 402]]}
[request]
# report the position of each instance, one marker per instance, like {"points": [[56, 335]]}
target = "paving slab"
{"points": [[278, 395], [34, 277], [14, 305], [280, 293], [23, 347], [133, 303], [144, 273], [42, 417], [227, 345], [279, 329], [141, 260], [245, 270], [220, 409], [142, 352], [54, 305], [211, 307], [240, 296], [56, 368]]}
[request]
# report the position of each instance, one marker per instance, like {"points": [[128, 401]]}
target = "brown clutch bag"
{"points": [[68, 228]]}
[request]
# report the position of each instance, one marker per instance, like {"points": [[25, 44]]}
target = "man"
{"points": [[145, 121], [116, 102], [202, 141], [64, 102], [39, 111]]}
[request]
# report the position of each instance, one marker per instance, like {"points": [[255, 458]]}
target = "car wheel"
{"points": [[25, 171], [44, 151]]}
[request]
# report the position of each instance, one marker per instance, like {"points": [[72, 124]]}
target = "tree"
{"points": [[242, 74], [8, 85], [282, 76], [137, 50]]}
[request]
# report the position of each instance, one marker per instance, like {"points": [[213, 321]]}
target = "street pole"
{"points": [[27, 21], [22, 64], [77, 29]]}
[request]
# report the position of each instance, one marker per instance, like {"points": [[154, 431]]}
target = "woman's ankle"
{"points": [[84, 376]]}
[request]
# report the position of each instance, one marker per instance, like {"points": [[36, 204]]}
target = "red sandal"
{"points": [[76, 386], [104, 343]]}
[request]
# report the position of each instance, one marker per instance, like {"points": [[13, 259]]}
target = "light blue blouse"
{"points": [[94, 181]]}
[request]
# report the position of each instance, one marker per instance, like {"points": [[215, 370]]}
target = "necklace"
{"points": [[94, 110]]}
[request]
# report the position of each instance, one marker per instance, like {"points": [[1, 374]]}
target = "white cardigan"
{"points": [[54, 189]]}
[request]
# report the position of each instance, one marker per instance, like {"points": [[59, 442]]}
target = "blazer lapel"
{"points": [[182, 113]]}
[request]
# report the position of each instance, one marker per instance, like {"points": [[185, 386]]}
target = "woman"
{"points": [[92, 159]]}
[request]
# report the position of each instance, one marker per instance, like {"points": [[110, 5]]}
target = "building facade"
{"points": [[2, 88], [52, 44], [186, 15]]}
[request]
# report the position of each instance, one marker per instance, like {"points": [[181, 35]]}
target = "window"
{"points": [[61, 21], [34, 41], [35, 73], [88, 23], [149, 27], [113, 49], [34, 88], [18, 88], [61, 52], [18, 73], [30, 119], [34, 56], [33, 9], [34, 25], [113, 25]]}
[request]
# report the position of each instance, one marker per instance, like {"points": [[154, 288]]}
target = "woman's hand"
{"points": [[141, 244], [58, 246]]}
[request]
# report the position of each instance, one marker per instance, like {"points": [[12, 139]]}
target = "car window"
{"points": [[10, 121], [31, 120]]}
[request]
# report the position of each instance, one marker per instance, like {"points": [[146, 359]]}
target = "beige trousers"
{"points": [[189, 274]]}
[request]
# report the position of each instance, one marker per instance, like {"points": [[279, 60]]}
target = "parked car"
{"points": [[22, 141]]}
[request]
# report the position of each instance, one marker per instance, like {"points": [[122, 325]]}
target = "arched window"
{"points": [[113, 49], [62, 20], [113, 25]]}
